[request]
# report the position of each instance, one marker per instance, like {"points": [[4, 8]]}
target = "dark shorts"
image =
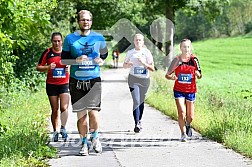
{"points": [[55, 90], [85, 94], [114, 57], [188, 96]]}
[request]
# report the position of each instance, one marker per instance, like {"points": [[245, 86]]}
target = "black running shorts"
{"points": [[85, 94], [55, 90]]}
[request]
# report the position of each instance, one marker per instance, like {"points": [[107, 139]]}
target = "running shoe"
{"points": [[55, 136], [189, 130], [64, 134], [183, 137], [84, 150], [96, 145], [137, 128], [140, 125]]}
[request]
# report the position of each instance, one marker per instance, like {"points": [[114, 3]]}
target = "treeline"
{"points": [[233, 18], [26, 26]]}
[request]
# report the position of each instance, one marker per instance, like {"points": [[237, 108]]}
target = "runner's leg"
{"points": [[64, 102], [54, 102], [180, 103]]}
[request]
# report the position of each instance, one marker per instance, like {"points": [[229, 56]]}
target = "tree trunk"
{"points": [[170, 14]]}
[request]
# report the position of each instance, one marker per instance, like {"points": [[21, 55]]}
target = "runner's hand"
{"points": [[67, 68], [174, 77], [197, 73], [81, 58], [52, 65], [130, 64]]}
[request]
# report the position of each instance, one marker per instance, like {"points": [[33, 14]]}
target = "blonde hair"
{"points": [[140, 35], [82, 12]]}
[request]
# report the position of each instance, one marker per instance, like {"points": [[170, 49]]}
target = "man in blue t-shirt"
{"points": [[85, 51]]}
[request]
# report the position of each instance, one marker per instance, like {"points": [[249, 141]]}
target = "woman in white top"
{"points": [[140, 61]]}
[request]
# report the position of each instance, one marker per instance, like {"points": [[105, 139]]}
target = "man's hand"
{"points": [[81, 58]]}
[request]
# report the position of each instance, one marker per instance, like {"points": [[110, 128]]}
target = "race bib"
{"points": [[59, 73], [88, 64], [185, 78], [140, 70]]}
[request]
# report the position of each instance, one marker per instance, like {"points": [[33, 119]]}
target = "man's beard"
{"points": [[84, 29]]}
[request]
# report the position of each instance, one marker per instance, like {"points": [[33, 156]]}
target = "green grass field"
{"points": [[227, 65], [224, 99]]}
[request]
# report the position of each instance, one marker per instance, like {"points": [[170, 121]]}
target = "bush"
{"points": [[248, 27]]}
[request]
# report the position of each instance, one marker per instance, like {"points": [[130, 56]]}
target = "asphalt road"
{"points": [[157, 145]]}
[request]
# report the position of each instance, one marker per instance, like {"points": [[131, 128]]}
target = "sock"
{"points": [[94, 134], [188, 124], [62, 127], [84, 140]]}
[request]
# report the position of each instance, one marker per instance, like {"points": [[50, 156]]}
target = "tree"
{"points": [[23, 28]]}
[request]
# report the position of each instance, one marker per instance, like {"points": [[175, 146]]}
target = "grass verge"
{"points": [[222, 117], [24, 131]]}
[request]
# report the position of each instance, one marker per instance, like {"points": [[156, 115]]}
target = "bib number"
{"points": [[185, 78], [140, 70], [88, 65], [59, 73]]}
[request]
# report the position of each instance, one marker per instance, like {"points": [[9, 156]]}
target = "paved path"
{"points": [[157, 145]]}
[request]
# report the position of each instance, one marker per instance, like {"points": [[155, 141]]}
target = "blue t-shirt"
{"points": [[89, 45]]}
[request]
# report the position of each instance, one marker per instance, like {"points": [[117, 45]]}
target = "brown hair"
{"points": [[56, 34], [184, 40]]}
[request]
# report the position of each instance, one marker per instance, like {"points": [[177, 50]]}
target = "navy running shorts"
{"points": [[188, 96]]}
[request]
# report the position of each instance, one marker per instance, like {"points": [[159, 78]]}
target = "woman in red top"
{"points": [[57, 87], [186, 67]]}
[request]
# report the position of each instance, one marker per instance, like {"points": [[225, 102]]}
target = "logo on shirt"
{"points": [[87, 49]]}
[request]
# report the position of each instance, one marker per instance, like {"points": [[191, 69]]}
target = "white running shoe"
{"points": [[84, 150], [97, 145], [183, 137]]}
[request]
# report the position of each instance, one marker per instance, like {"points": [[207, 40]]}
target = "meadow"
{"points": [[224, 99]]}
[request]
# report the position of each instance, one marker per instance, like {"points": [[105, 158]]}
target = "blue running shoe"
{"points": [[64, 134], [55, 136]]}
